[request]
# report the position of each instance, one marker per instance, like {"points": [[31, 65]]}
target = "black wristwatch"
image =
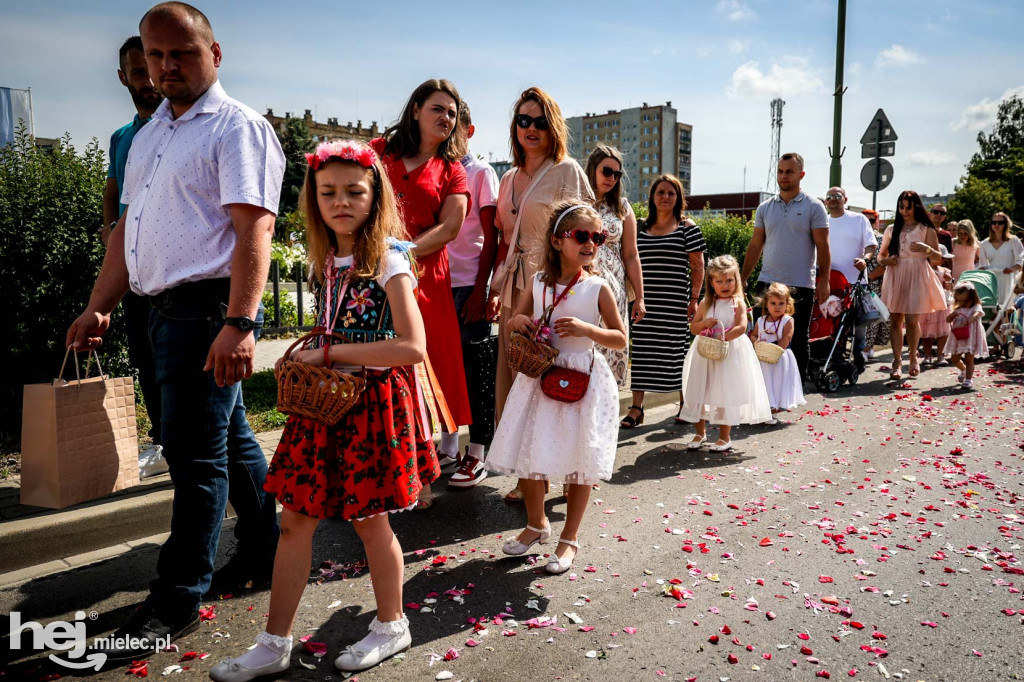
{"points": [[243, 323]]}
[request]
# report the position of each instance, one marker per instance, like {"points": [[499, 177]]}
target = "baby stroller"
{"points": [[830, 348], [995, 316]]}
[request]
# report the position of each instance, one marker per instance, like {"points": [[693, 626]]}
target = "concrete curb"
{"points": [[54, 541]]}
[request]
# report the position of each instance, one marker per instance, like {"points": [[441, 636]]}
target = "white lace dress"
{"points": [[609, 263], [729, 391], [541, 438], [781, 380]]}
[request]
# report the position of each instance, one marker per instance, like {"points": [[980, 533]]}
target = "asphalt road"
{"points": [[876, 535]]}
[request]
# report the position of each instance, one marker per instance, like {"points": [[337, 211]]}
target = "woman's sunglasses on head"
{"points": [[583, 236], [609, 173], [524, 121]]}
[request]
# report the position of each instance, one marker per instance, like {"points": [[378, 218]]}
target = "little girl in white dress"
{"points": [[730, 391], [541, 439], [782, 379]]}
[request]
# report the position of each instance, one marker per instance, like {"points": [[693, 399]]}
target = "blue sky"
{"points": [[937, 68]]}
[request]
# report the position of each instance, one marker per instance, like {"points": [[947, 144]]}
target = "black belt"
{"points": [[208, 290]]}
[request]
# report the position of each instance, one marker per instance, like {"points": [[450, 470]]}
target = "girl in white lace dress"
{"points": [[730, 391], [539, 438], [782, 379]]}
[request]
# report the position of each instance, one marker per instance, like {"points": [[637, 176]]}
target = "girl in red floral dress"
{"points": [[378, 457]]}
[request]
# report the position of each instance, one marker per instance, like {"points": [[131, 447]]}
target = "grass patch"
{"points": [[260, 394]]}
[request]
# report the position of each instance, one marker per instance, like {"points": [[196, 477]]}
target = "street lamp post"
{"points": [[835, 173]]}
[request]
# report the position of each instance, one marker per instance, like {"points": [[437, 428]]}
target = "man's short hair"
{"points": [[465, 120], [133, 43], [171, 10], [793, 156]]}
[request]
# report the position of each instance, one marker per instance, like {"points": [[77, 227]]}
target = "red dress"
{"points": [[378, 457], [420, 194]]}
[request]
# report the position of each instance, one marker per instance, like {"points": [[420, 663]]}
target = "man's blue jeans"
{"points": [[211, 452]]}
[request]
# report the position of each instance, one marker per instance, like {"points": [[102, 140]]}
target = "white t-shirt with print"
{"points": [[464, 250]]}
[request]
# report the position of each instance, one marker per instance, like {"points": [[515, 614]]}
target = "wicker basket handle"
{"points": [[317, 332]]}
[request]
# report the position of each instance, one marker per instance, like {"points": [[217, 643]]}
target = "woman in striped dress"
{"points": [[672, 257]]}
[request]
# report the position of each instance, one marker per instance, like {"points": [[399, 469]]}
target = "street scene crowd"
{"points": [[446, 297]]}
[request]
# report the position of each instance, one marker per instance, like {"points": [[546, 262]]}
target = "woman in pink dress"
{"points": [[965, 248], [910, 287]]}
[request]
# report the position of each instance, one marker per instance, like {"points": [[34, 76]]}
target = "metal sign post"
{"points": [[877, 141]]}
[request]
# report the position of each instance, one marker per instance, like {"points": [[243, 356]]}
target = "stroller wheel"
{"points": [[1011, 350], [854, 375], [830, 382]]}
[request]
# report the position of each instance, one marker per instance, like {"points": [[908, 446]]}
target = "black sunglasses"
{"points": [[939, 212], [524, 121], [998, 222], [583, 236], [608, 172]]}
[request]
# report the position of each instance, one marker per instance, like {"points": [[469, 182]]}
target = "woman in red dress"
{"points": [[421, 156]]}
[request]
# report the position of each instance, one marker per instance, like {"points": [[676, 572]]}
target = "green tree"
{"points": [[995, 174], [977, 199], [50, 212], [296, 141]]}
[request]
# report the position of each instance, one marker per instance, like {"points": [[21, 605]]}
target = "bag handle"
{"points": [[88, 364], [548, 311], [315, 333]]}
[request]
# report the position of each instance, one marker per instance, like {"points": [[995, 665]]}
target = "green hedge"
{"points": [[50, 215]]}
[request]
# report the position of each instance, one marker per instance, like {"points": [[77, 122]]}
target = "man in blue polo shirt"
{"points": [[791, 231], [134, 75]]}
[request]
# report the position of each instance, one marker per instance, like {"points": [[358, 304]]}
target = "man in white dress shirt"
{"points": [[202, 184]]}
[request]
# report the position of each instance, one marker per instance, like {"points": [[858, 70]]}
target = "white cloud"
{"points": [[931, 157], [793, 77], [983, 114], [897, 55], [738, 47], [854, 69], [735, 10]]}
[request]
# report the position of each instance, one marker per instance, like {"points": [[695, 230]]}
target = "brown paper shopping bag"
{"points": [[78, 439]]}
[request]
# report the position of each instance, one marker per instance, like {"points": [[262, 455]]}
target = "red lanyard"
{"points": [[558, 297], [330, 314]]}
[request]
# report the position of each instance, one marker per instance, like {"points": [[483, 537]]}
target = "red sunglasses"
{"points": [[583, 236]]}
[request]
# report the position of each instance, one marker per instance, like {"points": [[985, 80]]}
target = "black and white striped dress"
{"points": [[662, 338]]}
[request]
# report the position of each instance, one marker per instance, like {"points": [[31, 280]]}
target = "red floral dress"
{"points": [[378, 457], [421, 193]]}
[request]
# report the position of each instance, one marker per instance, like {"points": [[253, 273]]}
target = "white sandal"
{"points": [[697, 442], [721, 447], [233, 670], [556, 566], [515, 548], [357, 657]]}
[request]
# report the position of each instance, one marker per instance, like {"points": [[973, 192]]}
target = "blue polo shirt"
{"points": [[120, 143]]}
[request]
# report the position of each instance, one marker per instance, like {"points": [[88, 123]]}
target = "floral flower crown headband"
{"points": [[349, 150]]}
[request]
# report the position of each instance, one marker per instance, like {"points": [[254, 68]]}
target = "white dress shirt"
{"points": [[181, 176]]}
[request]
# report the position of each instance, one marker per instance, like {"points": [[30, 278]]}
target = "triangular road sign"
{"points": [[872, 134]]}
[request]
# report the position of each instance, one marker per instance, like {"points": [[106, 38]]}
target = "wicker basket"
{"points": [[712, 348], [529, 356], [768, 352], [318, 393]]}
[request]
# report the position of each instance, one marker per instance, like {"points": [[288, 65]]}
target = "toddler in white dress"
{"points": [[730, 391], [782, 379]]}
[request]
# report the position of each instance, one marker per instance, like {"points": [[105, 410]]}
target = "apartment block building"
{"points": [[651, 139]]}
